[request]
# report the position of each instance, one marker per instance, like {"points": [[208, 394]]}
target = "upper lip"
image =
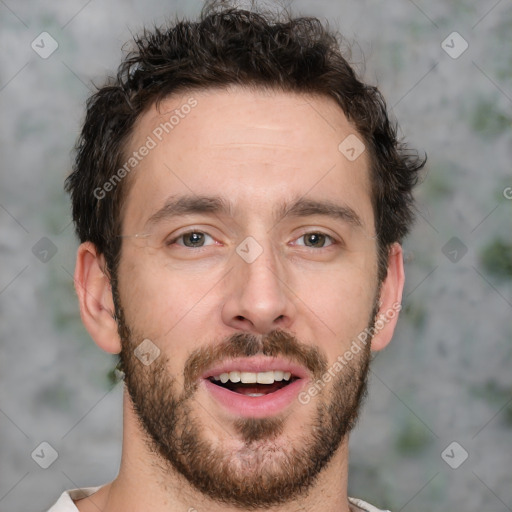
{"points": [[257, 364]]}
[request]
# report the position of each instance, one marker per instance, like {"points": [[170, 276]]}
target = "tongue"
{"points": [[247, 389]]}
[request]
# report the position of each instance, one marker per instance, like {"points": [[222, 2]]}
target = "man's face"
{"points": [[250, 293]]}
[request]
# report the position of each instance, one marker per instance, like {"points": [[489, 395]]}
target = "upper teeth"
{"points": [[253, 378]]}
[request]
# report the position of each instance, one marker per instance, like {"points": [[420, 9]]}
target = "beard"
{"points": [[267, 468]]}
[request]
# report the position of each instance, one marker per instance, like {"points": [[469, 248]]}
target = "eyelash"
{"points": [[173, 240]]}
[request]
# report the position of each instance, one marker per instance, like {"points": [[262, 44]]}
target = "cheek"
{"points": [[344, 306], [338, 305], [161, 303]]}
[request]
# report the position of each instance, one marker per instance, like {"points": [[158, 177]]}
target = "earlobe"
{"points": [[95, 298], [390, 299]]}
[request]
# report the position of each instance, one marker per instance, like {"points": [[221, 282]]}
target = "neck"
{"points": [[145, 482]]}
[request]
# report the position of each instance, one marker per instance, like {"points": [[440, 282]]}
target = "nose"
{"points": [[258, 298]]}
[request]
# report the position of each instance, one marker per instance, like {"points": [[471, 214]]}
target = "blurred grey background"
{"points": [[446, 377]]}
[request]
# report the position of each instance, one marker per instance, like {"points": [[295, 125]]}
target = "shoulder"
{"points": [[362, 506], [65, 502]]}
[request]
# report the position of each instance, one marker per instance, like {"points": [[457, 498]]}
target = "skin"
{"points": [[255, 148]]}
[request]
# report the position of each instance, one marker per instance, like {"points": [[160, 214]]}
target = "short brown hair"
{"points": [[229, 46]]}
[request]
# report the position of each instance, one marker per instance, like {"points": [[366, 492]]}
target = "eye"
{"points": [[197, 239], [316, 239], [191, 239]]}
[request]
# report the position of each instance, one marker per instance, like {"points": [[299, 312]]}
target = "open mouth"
{"points": [[256, 387], [254, 384]]}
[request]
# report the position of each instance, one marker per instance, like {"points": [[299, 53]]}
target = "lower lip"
{"points": [[255, 406]]}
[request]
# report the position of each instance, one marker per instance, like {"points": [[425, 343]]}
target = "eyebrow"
{"points": [[297, 208]]}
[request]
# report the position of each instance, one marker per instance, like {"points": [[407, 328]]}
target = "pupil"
{"points": [[194, 237], [317, 236]]}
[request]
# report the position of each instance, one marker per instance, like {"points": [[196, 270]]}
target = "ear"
{"points": [[390, 299], [95, 298]]}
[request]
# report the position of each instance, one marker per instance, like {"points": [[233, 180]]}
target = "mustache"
{"points": [[277, 343]]}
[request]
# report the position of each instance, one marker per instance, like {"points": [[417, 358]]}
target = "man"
{"points": [[240, 197]]}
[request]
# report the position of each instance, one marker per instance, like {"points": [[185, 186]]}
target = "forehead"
{"points": [[254, 146]]}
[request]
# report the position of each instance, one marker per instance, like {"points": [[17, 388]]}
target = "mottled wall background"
{"points": [[445, 378]]}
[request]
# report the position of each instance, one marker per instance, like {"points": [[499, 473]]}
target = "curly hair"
{"points": [[232, 46]]}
